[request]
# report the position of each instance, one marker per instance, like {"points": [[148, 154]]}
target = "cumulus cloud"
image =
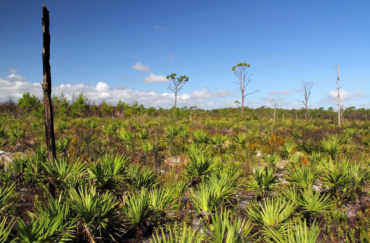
{"points": [[141, 67], [347, 97], [280, 92], [157, 27], [15, 85], [152, 78]]}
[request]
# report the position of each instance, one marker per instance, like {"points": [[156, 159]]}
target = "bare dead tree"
{"points": [[241, 71], [46, 85], [275, 107], [307, 88], [338, 94]]}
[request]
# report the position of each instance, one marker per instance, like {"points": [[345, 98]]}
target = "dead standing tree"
{"points": [[241, 71], [338, 93], [46, 85], [307, 88]]}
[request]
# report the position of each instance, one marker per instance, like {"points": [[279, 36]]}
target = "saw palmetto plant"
{"points": [[91, 209], [262, 182], [141, 177], [225, 227], [302, 176], [331, 146], [48, 224], [108, 172], [7, 194], [137, 209], [313, 203], [271, 212], [201, 164], [177, 234], [64, 174], [293, 233], [6, 226]]}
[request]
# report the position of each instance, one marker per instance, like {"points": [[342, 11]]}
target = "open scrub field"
{"points": [[206, 177]]}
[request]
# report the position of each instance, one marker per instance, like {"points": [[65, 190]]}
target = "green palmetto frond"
{"points": [[201, 163], [241, 139], [263, 181], [301, 176], [49, 224], [200, 136], [331, 146], [203, 199], [163, 199], [141, 177], [177, 234], [91, 208], [214, 192], [137, 208], [271, 213], [336, 176], [7, 193], [6, 227], [108, 171], [312, 202], [293, 233], [225, 228], [63, 173]]}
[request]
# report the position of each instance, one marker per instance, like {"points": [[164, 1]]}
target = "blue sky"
{"points": [[95, 45]]}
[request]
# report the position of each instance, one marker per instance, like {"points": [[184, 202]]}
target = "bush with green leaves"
{"points": [[64, 174], [108, 172], [227, 228], [331, 146], [6, 226], [7, 194], [302, 176], [137, 209], [201, 164], [271, 214], [338, 177], [262, 182], [312, 203], [293, 233], [92, 210], [213, 193], [201, 137], [141, 177], [163, 199], [177, 234], [48, 224]]}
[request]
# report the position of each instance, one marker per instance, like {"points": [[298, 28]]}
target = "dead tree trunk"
{"points": [[338, 95], [46, 85]]}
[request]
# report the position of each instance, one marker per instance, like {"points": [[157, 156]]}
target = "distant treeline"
{"points": [[82, 107]]}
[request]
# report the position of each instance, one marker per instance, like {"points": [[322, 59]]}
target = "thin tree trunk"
{"points": [[306, 112], [174, 110], [46, 85], [338, 94], [242, 113]]}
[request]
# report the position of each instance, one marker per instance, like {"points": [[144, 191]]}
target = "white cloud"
{"points": [[157, 27], [280, 92], [141, 67], [15, 85], [152, 78], [344, 94], [348, 98]]}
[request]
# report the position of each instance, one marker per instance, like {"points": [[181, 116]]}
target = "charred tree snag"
{"points": [[46, 86]]}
